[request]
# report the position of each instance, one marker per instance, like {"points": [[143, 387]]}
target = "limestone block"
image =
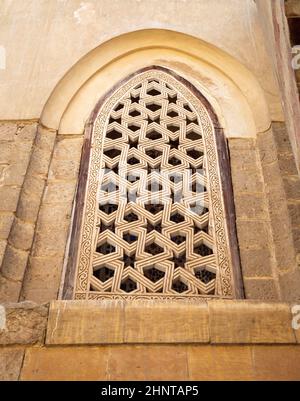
{"points": [[287, 164], [43, 147], [66, 159], [163, 322], [247, 181], [9, 198], [147, 362], [256, 262], [126, 362], [292, 187], [65, 363], [294, 212], [14, 174], [85, 322], [51, 241], [59, 192], [7, 131], [238, 144], [14, 263], [25, 323], [253, 234], [281, 137], [247, 322], [5, 154], [267, 147], [42, 279], [50, 216], [26, 132], [276, 362], [220, 363], [22, 234], [10, 363], [250, 206], [290, 285], [261, 289], [2, 249], [9, 290]]}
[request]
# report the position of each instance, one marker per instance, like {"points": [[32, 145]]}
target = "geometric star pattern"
{"points": [[153, 220]]}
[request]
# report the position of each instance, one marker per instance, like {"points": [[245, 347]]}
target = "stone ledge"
{"points": [[213, 321]]}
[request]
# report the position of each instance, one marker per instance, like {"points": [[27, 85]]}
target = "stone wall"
{"points": [[266, 195], [16, 144], [214, 340]]}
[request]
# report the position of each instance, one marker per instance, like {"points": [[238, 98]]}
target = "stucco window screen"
{"points": [[150, 218]]}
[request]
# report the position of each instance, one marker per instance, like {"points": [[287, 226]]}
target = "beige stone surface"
{"points": [[220, 363], [250, 322], [10, 363], [116, 321], [162, 362], [164, 322], [69, 20], [81, 322], [25, 323]]}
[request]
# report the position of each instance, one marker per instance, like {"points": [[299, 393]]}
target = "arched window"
{"points": [[154, 211]]}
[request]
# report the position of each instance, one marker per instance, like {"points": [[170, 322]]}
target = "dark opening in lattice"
{"points": [[194, 136], [179, 261], [194, 153], [205, 275], [154, 208], [174, 143], [178, 239], [104, 273], [134, 127], [153, 153], [129, 260], [134, 113], [177, 218], [114, 134], [174, 161], [153, 274], [119, 106], [131, 217], [172, 128], [153, 135], [153, 107], [203, 250], [172, 114], [179, 286], [157, 227], [153, 92], [110, 227], [133, 143], [153, 248], [133, 160], [187, 107], [105, 248], [172, 99], [108, 208], [130, 238], [128, 285], [112, 153]]}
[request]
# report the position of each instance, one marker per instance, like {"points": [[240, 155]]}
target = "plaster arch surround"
{"points": [[230, 87]]}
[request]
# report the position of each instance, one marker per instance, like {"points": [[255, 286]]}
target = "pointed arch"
{"points": [[154, 125]]}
